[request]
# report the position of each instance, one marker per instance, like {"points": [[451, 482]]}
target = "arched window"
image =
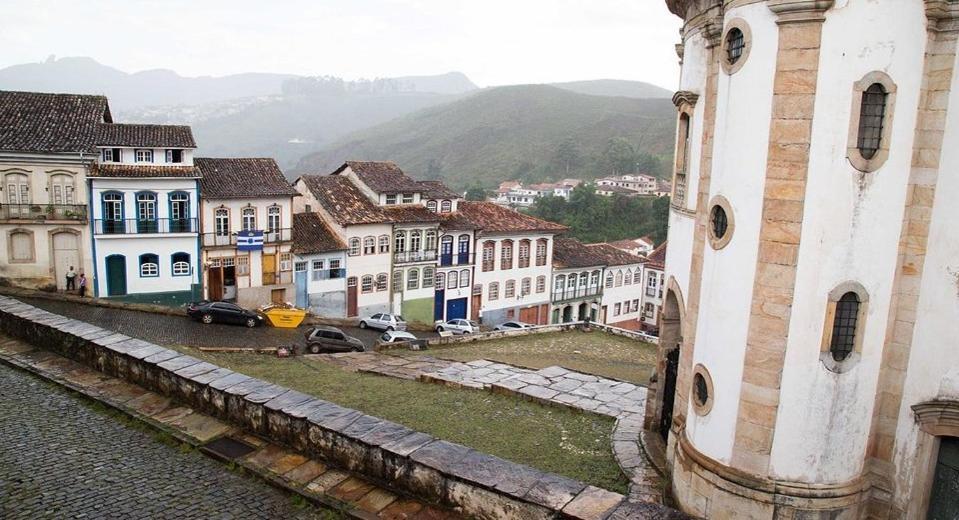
{"points": [[180, 264], [494, 290], [399, 242], [273, 219], [249, 218], [440, 281], [465, 278], [844, 324], [384, 243], [489, 248], [446, 250], [510, 290], [872, 114], [525, 287], [397, 281], [415, 240], [354, 246], [540, 284], [524, 246], [506, 255], [452, 280], [221, 222], [149, 265], [113, 212], [430, 241], [594, 278], [446, 206], [628, 277], [413, 279], [382, 282], [619, 278], [609, 279], [18, 188], [180, 212], [428, 277], [21, 248], [638, 276], [369, 245], [583, 279], [147, 212], [541, 251], [61, 189], [431, 205], [366, 283], [735, 43], [560, 282]]}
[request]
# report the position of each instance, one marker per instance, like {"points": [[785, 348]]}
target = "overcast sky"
{"points": [[494, 42]]}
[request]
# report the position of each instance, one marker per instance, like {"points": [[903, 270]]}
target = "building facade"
{"points": [[319, 260], [807, 360], [144, 191], [246, 225], [577, 282], [44, 161]]}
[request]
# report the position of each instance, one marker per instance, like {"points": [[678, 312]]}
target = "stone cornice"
{"points": [[685, 97], [791, 11], [938, 417], [943, 15]]}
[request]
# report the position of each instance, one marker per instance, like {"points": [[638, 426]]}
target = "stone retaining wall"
{"points": [[478, 484], [542, 329]]}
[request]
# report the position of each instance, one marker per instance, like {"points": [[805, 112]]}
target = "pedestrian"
{"points": [[71, 279], [83, 284]]}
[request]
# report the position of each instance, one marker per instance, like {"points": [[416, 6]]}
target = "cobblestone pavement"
{"points": [[61, 459], [180, 330]]}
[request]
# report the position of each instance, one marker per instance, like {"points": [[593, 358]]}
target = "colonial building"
{"points": [[637, 183], [513, 271], [577, 282], [622, 292], [47, 146], [144, 189], [636, 246], [808, 366], [654, 284], [453, 296], [246, 219], [319, 267]]}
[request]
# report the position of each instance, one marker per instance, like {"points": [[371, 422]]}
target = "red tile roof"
{"points": [[571, 253], [233, 178], [50, 123], [312, 235], [381, 176], [143, 171], [343, 200], [614, 256], [492, 218], [437, 190], [150, 136], [657, 258]]}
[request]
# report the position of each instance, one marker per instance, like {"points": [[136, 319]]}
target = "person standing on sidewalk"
{"points": [[71, 279], [82, 284]]}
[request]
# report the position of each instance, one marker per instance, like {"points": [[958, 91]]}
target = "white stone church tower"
{"points": [[810, 336]]}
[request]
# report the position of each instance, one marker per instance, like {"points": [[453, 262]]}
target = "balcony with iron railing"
{"points": [[144, 227], [572, 293], [229, 239], [447, 259], [43, 212], [407, 257]]}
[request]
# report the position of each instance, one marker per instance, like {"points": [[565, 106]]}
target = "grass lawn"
{"points": [[596, 353], [552, 439]]}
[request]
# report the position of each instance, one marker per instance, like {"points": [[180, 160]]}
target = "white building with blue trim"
{"points": [[144, 195]]}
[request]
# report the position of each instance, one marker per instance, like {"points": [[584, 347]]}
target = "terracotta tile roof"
{"points": [[152, 136], [614, 256], [144, 171], [312, 235], [343, 200], [50, 123], [437, 190], [657, 258], [569, 252], [456, 221], [492, 218], [631, 243], [410, 213], [381, 176], [242, 178]]}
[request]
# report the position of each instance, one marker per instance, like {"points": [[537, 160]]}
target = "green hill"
{"points": [[529, 132]]}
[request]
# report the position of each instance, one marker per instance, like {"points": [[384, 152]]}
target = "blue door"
{"points": [[438, 305], [301, 299], [456, 309]]}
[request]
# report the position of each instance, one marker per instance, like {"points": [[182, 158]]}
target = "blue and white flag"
{"points": [[249, 240]]}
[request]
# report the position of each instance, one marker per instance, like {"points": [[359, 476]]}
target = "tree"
{"points": [[475, 192], [434, 170], [620, 156], [567, 154]]}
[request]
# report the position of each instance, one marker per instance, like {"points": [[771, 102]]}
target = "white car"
{"points": [[512, 325], [386, 322], [458, 326], [396, 336]]}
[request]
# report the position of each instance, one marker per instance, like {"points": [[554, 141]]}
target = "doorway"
{"points": [[116, 275], [66, 253], [944, 499], [670, 340], [269, 269], [351, 310]]}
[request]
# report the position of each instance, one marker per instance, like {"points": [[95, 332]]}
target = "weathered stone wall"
{"points": [[478, 484]]}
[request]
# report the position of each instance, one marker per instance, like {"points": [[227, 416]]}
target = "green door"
{"points": [[116, 275], [944, 503]]}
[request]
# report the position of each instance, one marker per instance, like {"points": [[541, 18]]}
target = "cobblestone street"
{"points": [[61, 459]]}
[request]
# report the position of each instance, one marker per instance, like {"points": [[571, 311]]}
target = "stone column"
{"points": [[938, 74], [794, 96]]}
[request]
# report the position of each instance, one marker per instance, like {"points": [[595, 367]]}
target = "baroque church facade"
{"points": [[808, 358]]}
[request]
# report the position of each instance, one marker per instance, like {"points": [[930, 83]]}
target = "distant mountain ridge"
{"points": [[615, 87]]}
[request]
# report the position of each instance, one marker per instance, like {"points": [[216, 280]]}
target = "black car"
{"points": [[223, 312], [331, 339]]}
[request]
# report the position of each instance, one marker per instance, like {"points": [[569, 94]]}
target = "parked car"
{"points": [[458, 326], [512, 325], [396, 336], [384, 322], [331, 339], [223, 312]]}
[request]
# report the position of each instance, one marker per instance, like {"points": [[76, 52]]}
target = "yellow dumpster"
{"points": [[283, 316]]}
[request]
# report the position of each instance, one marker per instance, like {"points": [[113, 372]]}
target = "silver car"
{"points": [[512, 325], [458, 326], [396, 336], [384, 321]]}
